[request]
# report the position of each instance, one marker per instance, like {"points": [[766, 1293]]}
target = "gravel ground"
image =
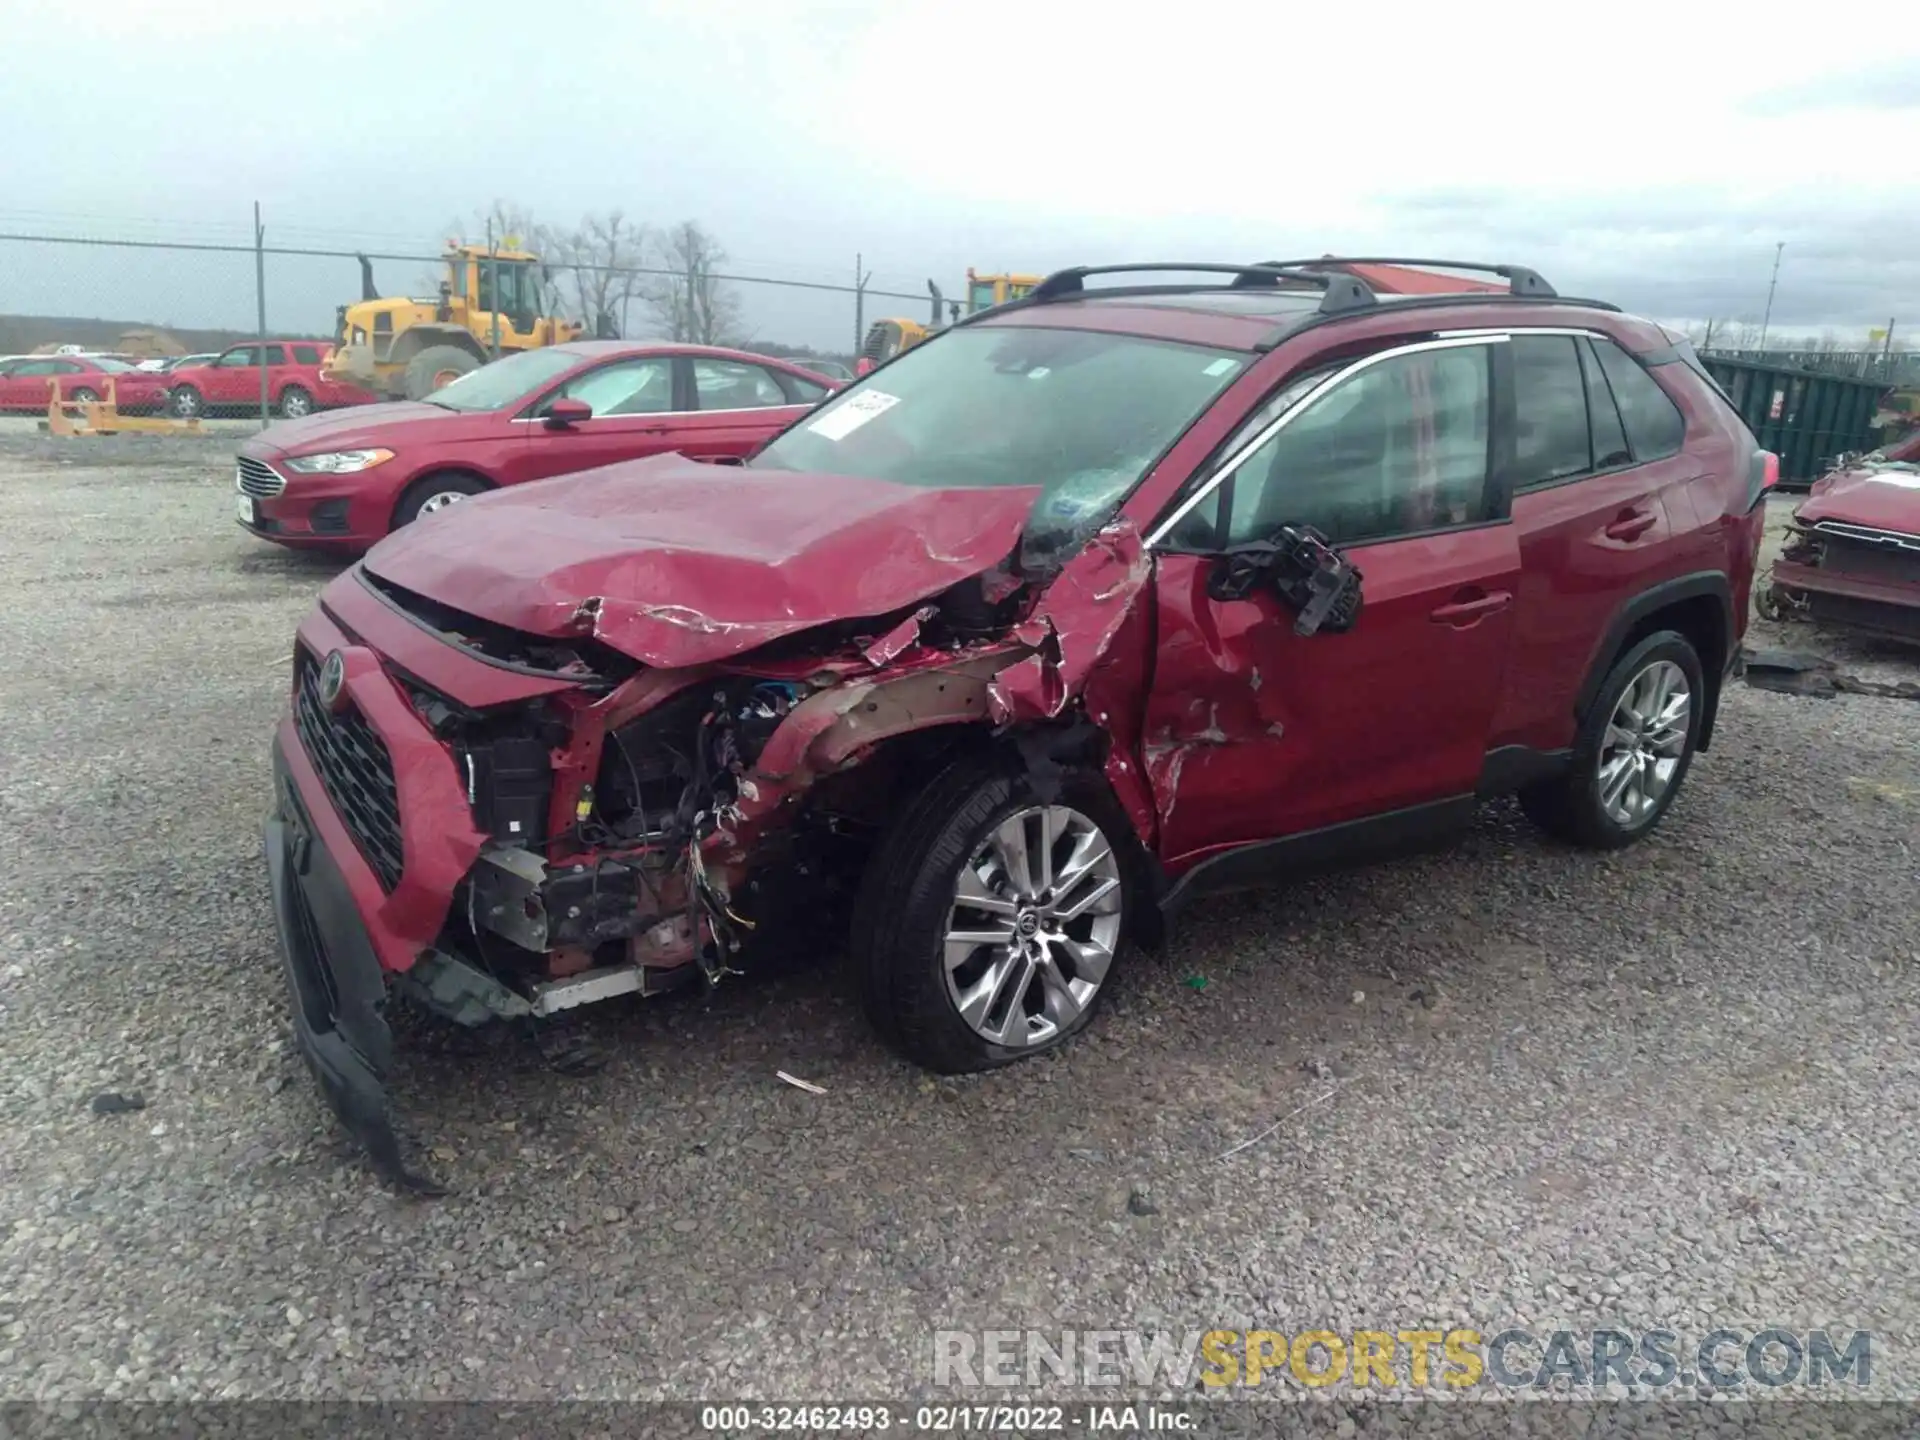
{"points": [[1515, 1085]]}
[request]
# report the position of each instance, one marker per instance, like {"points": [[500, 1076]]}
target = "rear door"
{"points": [[635, 404], [1599, 501], [1253, 731], [738, 406]]}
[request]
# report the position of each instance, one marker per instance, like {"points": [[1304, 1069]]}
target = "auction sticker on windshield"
{"points": [[853, 412]]}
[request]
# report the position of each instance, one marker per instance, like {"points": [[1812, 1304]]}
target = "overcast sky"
{"points": [[1651, 155]]}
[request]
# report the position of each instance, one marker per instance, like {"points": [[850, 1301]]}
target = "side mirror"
{"points": [[1319, 584], [566, 412]]}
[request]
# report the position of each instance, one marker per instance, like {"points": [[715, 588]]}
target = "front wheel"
{"points": [[989, 920], [1633, 750], [433, 493]]}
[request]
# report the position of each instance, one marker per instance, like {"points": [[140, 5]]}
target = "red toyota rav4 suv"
{"points": [[1096, 601]]}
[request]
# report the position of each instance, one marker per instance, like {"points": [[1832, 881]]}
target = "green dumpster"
{"points": [[1803, 417]]}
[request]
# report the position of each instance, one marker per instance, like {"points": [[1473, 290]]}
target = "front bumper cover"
{"points": [[336, 988]]}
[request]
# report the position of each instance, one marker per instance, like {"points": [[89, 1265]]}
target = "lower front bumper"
{"points": [[336, 988], [1876, 604]]}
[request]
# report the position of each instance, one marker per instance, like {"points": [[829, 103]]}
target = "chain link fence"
{"points": [[148, 298]]}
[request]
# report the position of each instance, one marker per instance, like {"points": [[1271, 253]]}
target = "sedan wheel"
{"points": [[1032, 929], [185, 402], [440, 500], [1645, 741]]}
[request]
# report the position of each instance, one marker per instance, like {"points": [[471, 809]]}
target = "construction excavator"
{"points": [[888, 338]]}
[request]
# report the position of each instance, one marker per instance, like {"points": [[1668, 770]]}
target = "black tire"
{"points": [[84, 396], [185, 403], [1569, 806], [424, 490], [900, 917], [424, 371], [295, 401]]}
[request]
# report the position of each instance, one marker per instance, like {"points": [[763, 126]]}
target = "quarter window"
{"points": [[306, 354], [1398, 448], [1550, 411], [1654, 425]]}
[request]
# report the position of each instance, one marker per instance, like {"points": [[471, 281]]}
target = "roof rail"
{"points": [[1340, 291], [1520, 280]]}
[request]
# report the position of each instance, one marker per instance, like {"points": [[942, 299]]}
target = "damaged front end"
{"points": [[506, 826], [1852, 556]]}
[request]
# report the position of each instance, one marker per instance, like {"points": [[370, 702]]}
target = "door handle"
{"points": [[1631, 524], [1472, 609]]}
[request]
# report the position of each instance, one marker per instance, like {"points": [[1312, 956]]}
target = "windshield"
{"points": [[1079, 413], [505, 382], [110, 365]]}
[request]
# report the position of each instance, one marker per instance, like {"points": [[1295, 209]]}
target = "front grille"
{"points": [[355, 768], [1868, 534], [257, 478]]}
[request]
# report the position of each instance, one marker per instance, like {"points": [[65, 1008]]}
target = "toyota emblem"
{"points": [[333, 679]]}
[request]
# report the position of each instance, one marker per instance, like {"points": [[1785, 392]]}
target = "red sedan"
{"points": [[26, 382], [346, 479]]}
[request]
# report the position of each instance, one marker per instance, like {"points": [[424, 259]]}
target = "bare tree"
{"points": [[601, 258], [690, 302]]}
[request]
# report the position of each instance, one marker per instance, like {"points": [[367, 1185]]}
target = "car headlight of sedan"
{"points": [[338, 462]]}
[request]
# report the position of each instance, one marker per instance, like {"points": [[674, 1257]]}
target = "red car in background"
{"points": [[231, 381], [26, 382], [345, 480]]}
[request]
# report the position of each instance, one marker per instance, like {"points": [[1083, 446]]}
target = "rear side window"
{"points": [[306, 354], [1609, 435], [1550, 410], [276, 354], [1654, 426]]}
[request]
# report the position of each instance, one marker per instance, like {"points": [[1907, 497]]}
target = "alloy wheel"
{"points": [[440, 501], [1645, 741], [1031, 932]]}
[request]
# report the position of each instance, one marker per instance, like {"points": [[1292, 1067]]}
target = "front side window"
{"points": [[1655, 428], [731, 385], [1398, 448], [505, 382], [632, 387], [1080, 414], [245, 355]]}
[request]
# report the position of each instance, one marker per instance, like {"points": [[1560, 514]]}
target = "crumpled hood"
{"points": [[677, 563], [1886, 499]]}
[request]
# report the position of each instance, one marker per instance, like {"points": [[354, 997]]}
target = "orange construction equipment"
{"points": [[103, 417]]}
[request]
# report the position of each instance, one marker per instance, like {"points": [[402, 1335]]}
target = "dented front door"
{"points": [[1254, 731]]}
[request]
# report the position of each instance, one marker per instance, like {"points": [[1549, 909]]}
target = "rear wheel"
{"points": [[989, 920], [185, 403], [295, 402], [84, 396], [435, 366], [1633, 750], [433, 493]]}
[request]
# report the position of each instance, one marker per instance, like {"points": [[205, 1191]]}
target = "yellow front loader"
{"points": [[489, 305]]}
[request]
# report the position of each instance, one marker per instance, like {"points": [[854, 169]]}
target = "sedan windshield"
{"points": [[505, 382], [110, 365], [1080, 413]]}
